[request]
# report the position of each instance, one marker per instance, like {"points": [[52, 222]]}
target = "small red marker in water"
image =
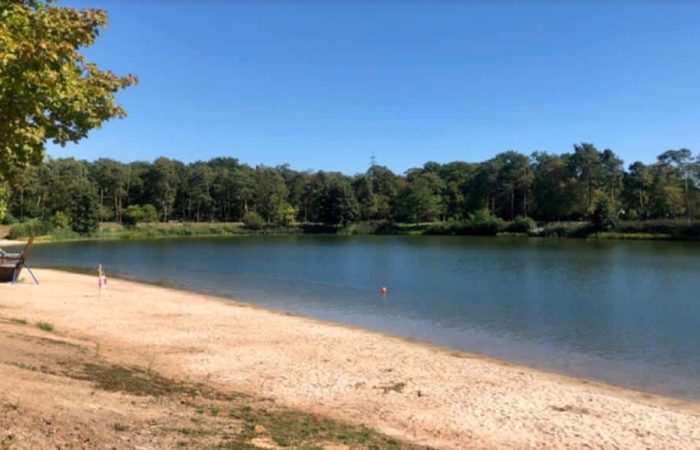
{"points": [[383, 290]]}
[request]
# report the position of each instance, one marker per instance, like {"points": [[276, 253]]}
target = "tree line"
{"points": [[49, 91], [543, 186]]}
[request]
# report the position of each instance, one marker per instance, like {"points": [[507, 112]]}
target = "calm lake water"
{"points": [[627, 313]]}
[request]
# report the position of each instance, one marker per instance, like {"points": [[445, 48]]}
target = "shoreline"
{"points": [[11, 243], [634, 231], [603, 237], [662, 400], [455, 397]]}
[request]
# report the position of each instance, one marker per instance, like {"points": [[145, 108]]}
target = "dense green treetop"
{"points": [[48, 90], [586, 184]]}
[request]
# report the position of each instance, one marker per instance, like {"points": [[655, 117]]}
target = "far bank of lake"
{"points": [[669, 230]]}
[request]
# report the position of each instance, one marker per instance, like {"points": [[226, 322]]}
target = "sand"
{"points": [[11, 243], [413, 391]]}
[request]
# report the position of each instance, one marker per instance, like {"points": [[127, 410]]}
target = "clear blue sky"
{"points": [[324, 84]]}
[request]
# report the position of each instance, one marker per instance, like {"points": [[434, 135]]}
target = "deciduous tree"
{"points": [[49, 91]]}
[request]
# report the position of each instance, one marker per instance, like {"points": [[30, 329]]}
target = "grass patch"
{"points": [[296, 429], [45, 326], [24, 366], [7, 442], [18, 321], [190, 432], [133, 380], [477, 223], [634, 236], [286, 428]]}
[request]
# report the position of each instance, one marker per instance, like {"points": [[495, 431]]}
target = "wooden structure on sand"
{"points": [[11, 264]]}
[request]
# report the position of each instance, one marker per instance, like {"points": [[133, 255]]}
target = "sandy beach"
{"points": [[414, 392]]}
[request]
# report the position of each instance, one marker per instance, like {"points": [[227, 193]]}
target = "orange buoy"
{"points": [[383, 290]]}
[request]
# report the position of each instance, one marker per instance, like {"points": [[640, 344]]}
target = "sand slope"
{"points": [[418, 392]]}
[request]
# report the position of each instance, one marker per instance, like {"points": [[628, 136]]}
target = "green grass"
{"points": [[18, 321], [674, 229], [133, 380], [113, 231], [46, 326], [302, 430], [24, 366], [634, 236], [286, 428]]}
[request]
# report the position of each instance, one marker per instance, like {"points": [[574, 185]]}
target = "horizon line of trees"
{"points": [[542, 186]]}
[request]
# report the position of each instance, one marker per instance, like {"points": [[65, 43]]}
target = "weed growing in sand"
{"points": [[10, 406], [302, 430], [190, 431], [286, 428], [18, 321], [24, 366], [151, 363], [132, 380], [46, 326], [6, 442]]}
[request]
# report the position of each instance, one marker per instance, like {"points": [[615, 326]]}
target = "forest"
{"points": [[576, 186], [49, 91]]}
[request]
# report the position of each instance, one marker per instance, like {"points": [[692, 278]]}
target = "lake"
{"points": [[627, 313]]}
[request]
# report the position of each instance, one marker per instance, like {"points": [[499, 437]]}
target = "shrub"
{"points": [[36, 227], [521, 225], [253, 220], [441, 228], [132, 215], [63, 234], [46, 326], [678, 228], [568, 229], [479, 223], [9, 219], [284, 215], [60, 220], [482, 222], [632, 214], [150, 214], [106, 213]]}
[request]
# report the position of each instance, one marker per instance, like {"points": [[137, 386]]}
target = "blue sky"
{"points": [[324, 84]]}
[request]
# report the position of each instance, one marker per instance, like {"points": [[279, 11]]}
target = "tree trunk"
{"points": [[687, 198], [21, 204], [102, 209], [612, 198], [116, 208]]}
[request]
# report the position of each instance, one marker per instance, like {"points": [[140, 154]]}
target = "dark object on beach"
{"points": [[11, 264]]}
